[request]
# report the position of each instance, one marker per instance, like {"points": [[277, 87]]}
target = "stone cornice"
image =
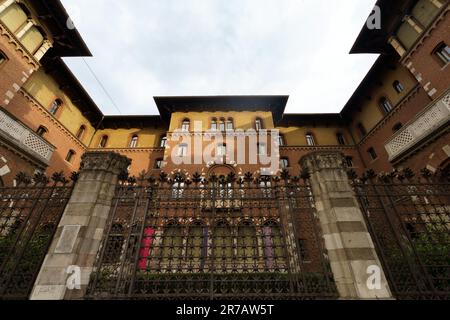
{"points": [[126, 150], [317, 161], [104, 161], [316, 148]]}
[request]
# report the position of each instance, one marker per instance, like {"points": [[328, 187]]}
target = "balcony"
{"points": [[20, 136], [434, 117]]}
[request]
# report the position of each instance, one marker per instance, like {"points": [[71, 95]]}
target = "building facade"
{"points": [[397, 118]]}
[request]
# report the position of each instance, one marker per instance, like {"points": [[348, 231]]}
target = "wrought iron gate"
{"points": [[409, 220], [29, 216], [222, 238]]}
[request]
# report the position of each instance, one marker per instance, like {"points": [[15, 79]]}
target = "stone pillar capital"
{"points": [[104, 161], [319, 160]]}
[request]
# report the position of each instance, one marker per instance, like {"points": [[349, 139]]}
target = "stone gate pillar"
{"points": [[351, 251], [77, 239]]}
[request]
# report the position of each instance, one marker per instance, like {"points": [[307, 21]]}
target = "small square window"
{"points": [[443, 53]]}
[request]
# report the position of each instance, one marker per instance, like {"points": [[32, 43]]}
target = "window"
{"points": [[103, 142], [281, 141], [442, 51], [214, 124], [372, 153], [247, 244], [134, 141], [41, 131], [70, 156], [230, 124], [114, 243], [81, 132], [185, 125], [386, 105], [197, 245], [362, 130], [222, 125], [273, 245], [158, 164], [163, 142], [177, 190], [172, 244], [222, 246], [222, 150], [55, 106], [349, 162], [397, 127], [310, 139], [182, 150], [303, 249], [262, 151], [398, 86], [341, 139], [258, 124], [284, 163], [3, 58]]}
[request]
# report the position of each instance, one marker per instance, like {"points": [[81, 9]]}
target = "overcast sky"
{"points": [[146, 48]]}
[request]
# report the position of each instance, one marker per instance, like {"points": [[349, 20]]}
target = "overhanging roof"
{"points": [[130, 122], [67, 42], [376, 40], [274, 104]]}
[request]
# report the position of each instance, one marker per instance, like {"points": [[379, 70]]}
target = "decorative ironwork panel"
{"points": [[29, 216], [217, 239], [409, 220]]}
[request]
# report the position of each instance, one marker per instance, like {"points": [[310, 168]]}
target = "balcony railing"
{"points": [[25, 139], [422, 126]]}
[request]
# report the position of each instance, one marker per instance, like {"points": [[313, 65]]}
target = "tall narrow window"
{"points": [[103, 142], [284, 163], [81, 131], [178, 190], [230, 125], [172, 246], [310, 139], [281, 141], [41, 131], [386, 105], [442, 52], [372, 153], [197, 246], [55, 106], [258, 124], [158, 163], [273, 246], [114, 244], [362, 130], [214, 124], [262, 150], [398, 86], [163, 142], [185, 126], [247, 245], [349, 162], [221, 150], [222, 251], [2, 58], [134, 141], [341, 139], [70, 156], [222, 125]]}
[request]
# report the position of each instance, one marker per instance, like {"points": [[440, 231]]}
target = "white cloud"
{"points": [[146, 48]]}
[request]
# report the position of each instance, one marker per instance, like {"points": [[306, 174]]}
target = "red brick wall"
{"points": [[11, 164]]}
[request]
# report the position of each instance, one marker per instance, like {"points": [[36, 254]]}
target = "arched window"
{"points": [[310, 139], [222, 124], [134, 141], [3, 58], [258, 124], [386, 105], [182, 150], [222, 150], [70, 156], [284, 163], [197, 246], [172, 245], [442, 52], [273, 246], [42, 131], [281, 140], [341, 139], [185, 126], [398, 86], [214, 124], [362, 130], [247, 244], [262, 149], [103, 142], [163, 142], [81, 131], [230, 125], [178, 190], [56, 105], [222, 249], [397, 127]]}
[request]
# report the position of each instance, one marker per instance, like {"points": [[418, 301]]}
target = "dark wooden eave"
{"points": [[274, 104], [311, 120], [132, 122]]}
